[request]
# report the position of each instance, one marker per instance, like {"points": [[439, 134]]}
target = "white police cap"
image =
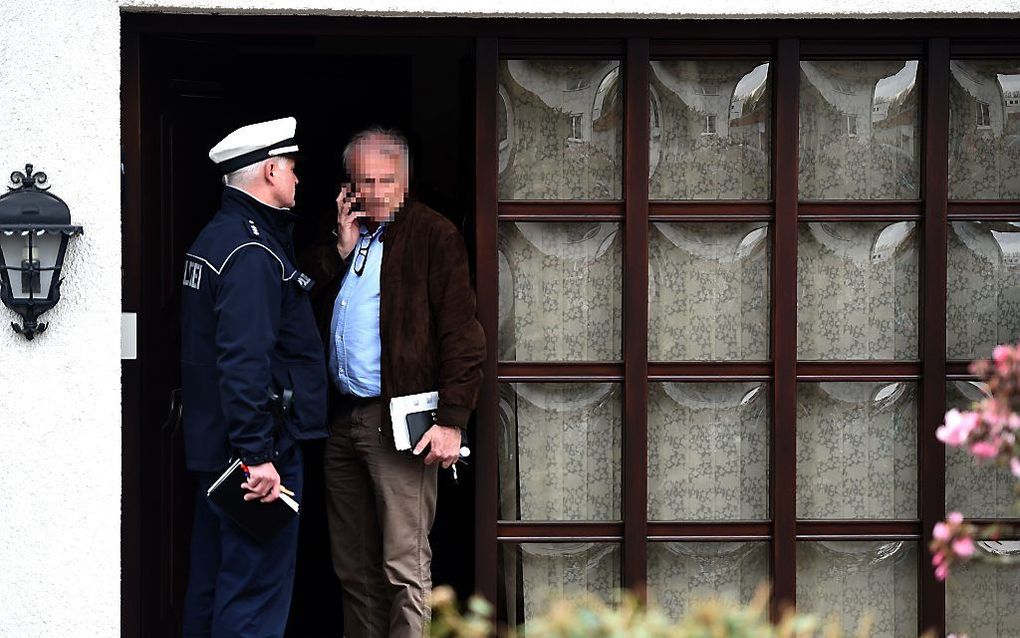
{"points": [[254, 143]]}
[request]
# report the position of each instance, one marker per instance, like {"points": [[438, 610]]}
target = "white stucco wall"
{"points": [[60, 394], [60, 436]]}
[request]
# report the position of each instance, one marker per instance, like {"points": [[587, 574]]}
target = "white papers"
{"points": [[223, 477], [291, 503], [400, 407]]}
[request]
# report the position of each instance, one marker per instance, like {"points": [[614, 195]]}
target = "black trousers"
{"points": [[239, 587]]}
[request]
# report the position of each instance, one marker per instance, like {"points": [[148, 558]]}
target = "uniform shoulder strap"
{"points": [[230, 240], [218, 269]]}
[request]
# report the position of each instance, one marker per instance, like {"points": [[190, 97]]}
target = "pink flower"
{"points": [[1013, 422], [949, 437], [963, 547], [938, 558], [958, 427], [993, 416], [941, 532], [941, 572], [1000, 354], [954, 518], [984, 450], [1014, 466]]}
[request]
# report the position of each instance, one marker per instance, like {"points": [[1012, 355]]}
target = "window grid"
{"points": [[783, 371]]}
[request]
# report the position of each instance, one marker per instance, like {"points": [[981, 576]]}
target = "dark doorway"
{"points": [[184, 93]]}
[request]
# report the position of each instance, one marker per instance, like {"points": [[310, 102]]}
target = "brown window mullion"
{"points": [[783, 470], [487, 274], [984, 48], [872, 49], [858, 530], [538, 372], [559, 47], [932, 461], [1012, 533], [839, 211], [959, 371], [698, 371], [981, 211], [709, 530], [710, 49], [635, 319], [560, 211], [858, 371], [710, 211], [559, 531]]}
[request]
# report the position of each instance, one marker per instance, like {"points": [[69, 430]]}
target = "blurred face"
{"points": [[380, 179], [284, 182]]}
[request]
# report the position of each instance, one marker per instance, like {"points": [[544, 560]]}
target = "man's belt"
{"points": [[354, 401]]}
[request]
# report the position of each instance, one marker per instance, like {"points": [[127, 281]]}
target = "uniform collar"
{"points": [[270, 216]]}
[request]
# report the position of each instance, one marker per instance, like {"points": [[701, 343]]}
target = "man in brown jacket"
{"points": [[396, 312]]}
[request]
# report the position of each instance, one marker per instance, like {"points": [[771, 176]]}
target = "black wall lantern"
{"points": [[34, 229]]}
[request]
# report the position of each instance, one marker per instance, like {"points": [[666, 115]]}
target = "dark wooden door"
{"points": [[180, 193], [190, 93], [195, 113]]}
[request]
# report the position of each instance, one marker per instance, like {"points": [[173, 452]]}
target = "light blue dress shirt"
{"points": [[357, 349]]}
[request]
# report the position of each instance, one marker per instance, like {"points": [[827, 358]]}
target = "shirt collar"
{"points": [[378, 231]]}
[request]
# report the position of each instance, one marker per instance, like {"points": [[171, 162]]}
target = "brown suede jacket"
{"points": [[430, 337]]}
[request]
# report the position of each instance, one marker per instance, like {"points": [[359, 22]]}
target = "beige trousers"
{"points": [[381, 505]]}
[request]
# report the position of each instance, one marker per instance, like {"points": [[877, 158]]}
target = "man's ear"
{"points": [[268, 171]]}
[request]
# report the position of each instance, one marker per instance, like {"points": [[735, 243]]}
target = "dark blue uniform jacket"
{"points": [[247, 330]]}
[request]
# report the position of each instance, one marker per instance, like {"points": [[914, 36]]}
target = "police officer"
{"points": [[254, 382]]}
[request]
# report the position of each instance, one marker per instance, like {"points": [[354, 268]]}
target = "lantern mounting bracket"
{"points": [[29, 179]]}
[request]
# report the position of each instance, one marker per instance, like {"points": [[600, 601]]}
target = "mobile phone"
{"points": [[357, 207]]}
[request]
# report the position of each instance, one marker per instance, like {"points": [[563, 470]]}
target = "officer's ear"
{"points": [[269, 170]]}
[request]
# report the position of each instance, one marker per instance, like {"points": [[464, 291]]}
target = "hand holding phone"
{"points": [[348, 226]]}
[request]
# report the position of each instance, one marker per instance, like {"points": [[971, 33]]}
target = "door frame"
{"points": [[784, 41]]}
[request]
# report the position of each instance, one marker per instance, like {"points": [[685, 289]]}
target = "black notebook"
{"points": [[418, 423], [412, 416], [259, 520]]}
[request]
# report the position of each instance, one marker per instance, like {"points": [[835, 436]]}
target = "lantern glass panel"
{"points": [[45, 250]]}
